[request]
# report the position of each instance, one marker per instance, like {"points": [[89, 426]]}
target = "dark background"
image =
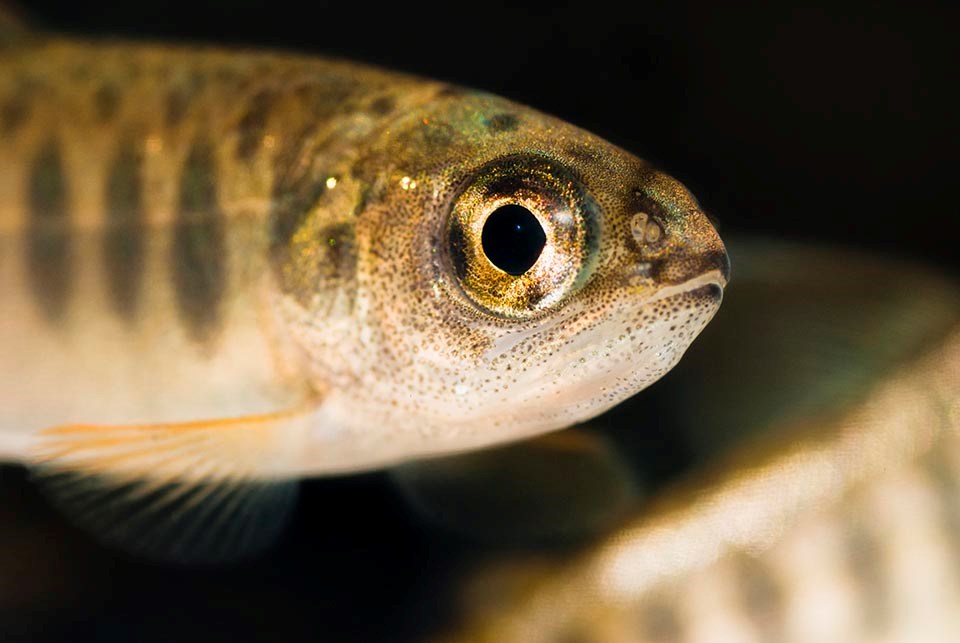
{"points": [[827, 125], [820, 124]]}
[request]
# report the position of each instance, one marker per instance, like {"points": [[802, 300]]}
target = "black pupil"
{"points": [[512, 239]]}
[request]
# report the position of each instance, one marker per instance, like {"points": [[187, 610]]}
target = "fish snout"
{"points": [[675, 241], [691, 252], [700, 256]]}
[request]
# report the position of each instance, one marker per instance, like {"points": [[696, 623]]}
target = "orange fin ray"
{"points": [[209, 491]]}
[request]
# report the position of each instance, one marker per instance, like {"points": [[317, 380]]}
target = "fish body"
{"points": [[233, 266], [834, 519], [139, 220]]}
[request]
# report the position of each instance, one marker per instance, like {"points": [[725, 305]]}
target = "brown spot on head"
{"points": [[503, 123], [383, 105], [451, 91]]}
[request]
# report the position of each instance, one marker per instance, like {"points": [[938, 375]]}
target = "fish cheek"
{"points": [[317, 266], [415, 310]]}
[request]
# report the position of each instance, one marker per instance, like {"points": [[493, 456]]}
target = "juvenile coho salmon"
{"points": [[221, 271]]}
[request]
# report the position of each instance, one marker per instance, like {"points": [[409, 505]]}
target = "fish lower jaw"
{"points": [[598, 378]]}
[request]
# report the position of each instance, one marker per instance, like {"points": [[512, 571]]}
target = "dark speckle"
{"points": [[535, 293]]}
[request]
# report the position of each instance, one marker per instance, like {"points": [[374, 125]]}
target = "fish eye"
{"points": [[521, 235], [512, 239]]}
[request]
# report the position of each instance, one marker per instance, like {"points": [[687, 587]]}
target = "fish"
{"points": [[222, 271], [825, 504]]}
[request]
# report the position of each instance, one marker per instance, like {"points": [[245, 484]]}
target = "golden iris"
{"points": [[520, 235]]}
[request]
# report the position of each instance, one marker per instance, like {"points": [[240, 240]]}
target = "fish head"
{"points": [[517, 274]]}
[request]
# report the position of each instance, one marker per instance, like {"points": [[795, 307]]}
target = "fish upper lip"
{"points": [[724, 262], [715, 277]]}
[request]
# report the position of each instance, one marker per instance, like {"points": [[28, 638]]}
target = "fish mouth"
{"points": [[709, 284], [709, 291], [706, 287]]}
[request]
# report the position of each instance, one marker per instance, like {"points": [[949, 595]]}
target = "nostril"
{"points": [[645, 230]]}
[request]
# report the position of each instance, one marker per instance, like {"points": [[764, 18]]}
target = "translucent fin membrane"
{"points": [[207, 491], [213, 521]]}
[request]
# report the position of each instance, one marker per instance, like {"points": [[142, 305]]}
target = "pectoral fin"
{"points": [[207, 491], [556, 488]]}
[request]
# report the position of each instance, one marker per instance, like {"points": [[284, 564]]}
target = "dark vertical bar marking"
{"points": [[13, 112], [253, 125], [48, 244], [658, 620], [15, 107], [865, 560], [124, 239], [106, 102], [199, 261], [183, 93], [759, 595], [946, 480], [175, 106]]}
